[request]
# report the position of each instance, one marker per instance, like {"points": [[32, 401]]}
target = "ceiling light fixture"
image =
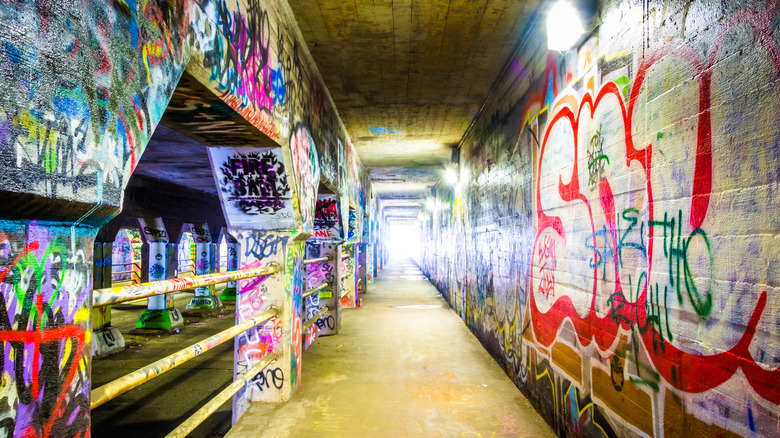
{"points": [[451, 175], [564, 27]]}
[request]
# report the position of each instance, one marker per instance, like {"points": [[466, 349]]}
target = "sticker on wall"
{"points": [[253, 186]]}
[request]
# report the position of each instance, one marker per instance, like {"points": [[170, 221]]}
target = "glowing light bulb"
{"points": [[452, 176], [564, 27]]}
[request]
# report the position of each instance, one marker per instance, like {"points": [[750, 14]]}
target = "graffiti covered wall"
{"points": [[612, 239], [45, 331], [87, 84]]}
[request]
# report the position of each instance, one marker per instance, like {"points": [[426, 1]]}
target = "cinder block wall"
{"points": [[613, 240]]}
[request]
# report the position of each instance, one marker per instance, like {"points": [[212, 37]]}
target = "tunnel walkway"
{"points": [[403, 365]]}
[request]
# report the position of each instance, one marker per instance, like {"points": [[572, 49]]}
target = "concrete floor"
{"points": [[404, 365]]}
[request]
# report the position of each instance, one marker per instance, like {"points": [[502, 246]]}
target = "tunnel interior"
{"points": [[589, 188]]}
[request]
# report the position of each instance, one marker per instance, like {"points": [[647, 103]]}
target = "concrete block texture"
{"points": [[613, 239]]}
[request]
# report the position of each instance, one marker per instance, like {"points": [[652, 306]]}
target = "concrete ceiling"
{"points": [[408, 76], [195, 118]]}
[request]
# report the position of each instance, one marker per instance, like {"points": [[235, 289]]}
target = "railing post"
{"points": [[316, 274], [204, 296], [281, 291], [160, 313], [348, 271]]}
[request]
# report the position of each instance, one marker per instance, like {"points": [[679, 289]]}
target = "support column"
{"points": [[349, 292], [160, 313], [316, 273], [46, 274], [370, 272], [106, 339], [229, 294], [204, 296], [281, 291], [362, 270]]}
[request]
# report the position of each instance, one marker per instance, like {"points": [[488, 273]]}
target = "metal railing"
{"points": [[114, 389], [204, 412], [316, 260], [113, 295], [315, 289], [111, 390], [135, 272], [314, 319], [187, 267]]}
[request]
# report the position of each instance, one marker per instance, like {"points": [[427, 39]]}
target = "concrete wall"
{"points": [[613, 240], [85, 84]]}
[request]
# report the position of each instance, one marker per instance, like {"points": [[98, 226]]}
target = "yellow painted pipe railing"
{"points": [[315, 289], [314, 319], [114, 389], [317, 260], [204, 412], [113, 295]]}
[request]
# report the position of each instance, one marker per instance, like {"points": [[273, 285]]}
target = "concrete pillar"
{"points": [[369, 263], [316, 273], [46, 275], [229, 294], [160, 312], [362, 269], [348, 262], [281, 291], [204, 296], [106, 339]]}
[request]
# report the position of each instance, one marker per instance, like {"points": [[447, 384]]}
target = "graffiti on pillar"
{"points": [[81, 100], [327, 217], [353, 224], [296, 277], [200, 233], [307, 169], [157, 261], [348, 278], [253, 186], [262, 245], [252, 345], [625, 279], [45, 283]]}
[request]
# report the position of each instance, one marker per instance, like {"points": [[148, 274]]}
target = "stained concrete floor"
{"points": [[404, 365]]}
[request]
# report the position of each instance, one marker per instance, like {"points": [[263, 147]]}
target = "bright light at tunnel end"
{"points": [[403, 240], [564, 27]]}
